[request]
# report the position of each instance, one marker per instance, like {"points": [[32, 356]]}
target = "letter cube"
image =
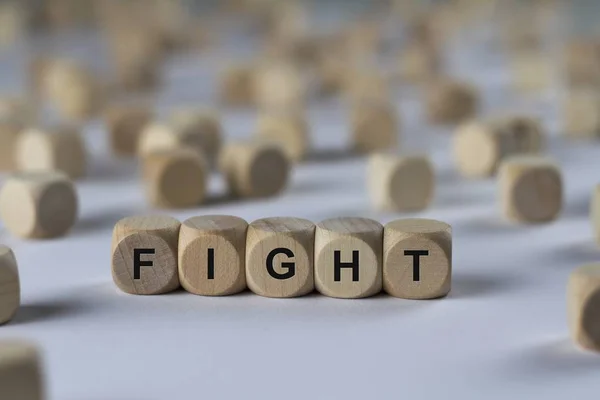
{"points": [[348, 257], [450, 102], [375, 127], [279, 257], [10, 290], [201, 128], [531, 189], [417, 258], [144, 254], [38, 205], [212, 255], [400, 183], [289, 129], [21, 376], [583, 306], [125, 123]]}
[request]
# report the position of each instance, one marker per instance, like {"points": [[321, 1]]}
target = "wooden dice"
{"points": [[348, 257], [450, 102], [279, 257], [289, 129], [175, 178], [144, 254], [279, 86], [124, 125], [375, 127], [38, 204], [583, 306], [531, 189], [212, 255], [202, 128], [58, 148], [10, 289], [581, 114], [532, 72], [582, 63], [9, 133], [418, 63], [417, 258], [480, 146], [399, 183], [21, 376], [236, 85], [254, 168]]}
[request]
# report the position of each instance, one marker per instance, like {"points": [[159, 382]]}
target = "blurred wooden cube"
{"points": [[125, 124], [583, 305], [10, 290], [21, 373]]}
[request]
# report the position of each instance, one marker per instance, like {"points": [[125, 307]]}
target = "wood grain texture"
{"points": [[583, 306], [255, 168], [21, 374], [400, 183], [200, 128], [10, 289], [175, 178], [217, 272], [357, 241], [531, 189], [157, 233], [279, 257], [375, 127], [430, 242], [450, 102], [9, 133], [290, 129], [58, 148], [124, 125], [38, 205]]}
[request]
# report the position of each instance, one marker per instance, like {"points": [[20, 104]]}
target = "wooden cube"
{"points": [[582, 63], [158, 136], [10, 289], [289, 129], [124, 124], [450, 102], [595, 212], [583, 306], [480, 146], [144, 254], [38, 205], [279, 86], [419, 63], [212, 255], [201, 129], [348, 257], [18, 110], [9, 133], [364, 85], [581, 115], [236, 85], [400, 183], [58, 148], [375, 127], [279, 257], [175, 178], [21, 376], [531, 189], [417, 258], [255, 168], [531, 72]]}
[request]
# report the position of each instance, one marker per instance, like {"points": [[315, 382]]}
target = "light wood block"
{"points": [[125, 124], [175, 178], [21, 375], [38, 205], [400, 183], [583, 306], [480, 146], [236, 85], [10, 289], [450, 102], [9, 133], [348, 257], [367, 85], [255, 168], [418, 63], [531, 189], [17, 109], [581, 113], [144, 254], [58, 148], [582, 64], [289, 129], [279, 257], [417, 258], [532, 72], [200, 128], [375, 127], [595, 212], [279, 86], [212, 255]]}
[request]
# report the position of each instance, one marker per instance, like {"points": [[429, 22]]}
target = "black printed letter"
{"points": [[338, 265], [291, 267], [137, 263], [416, 254]]}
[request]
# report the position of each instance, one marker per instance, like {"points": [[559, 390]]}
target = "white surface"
{"points": [[500, 334]]}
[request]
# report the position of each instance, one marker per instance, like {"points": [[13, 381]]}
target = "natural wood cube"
{"points": [[531, 189], [581, 115], [202, 128], [450, 102], [255, 168], [532, 71], [279, 257], [418, 63], [348, 257], [124, 124], [212, 255], [21, 376], [480, 146], [279, 86], [367, 86], [375, 127], [583, 306], [236, 85], [38, 205], [582, 63], [417, 258], [175, 178], [18, 110], [58, 148], [289, 129], [10, 289], [144, 254], [400, 183], [9, 133]]}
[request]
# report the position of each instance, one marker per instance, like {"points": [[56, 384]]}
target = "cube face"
{"points": [[10, 292], [20, 371], [583, 300]]}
